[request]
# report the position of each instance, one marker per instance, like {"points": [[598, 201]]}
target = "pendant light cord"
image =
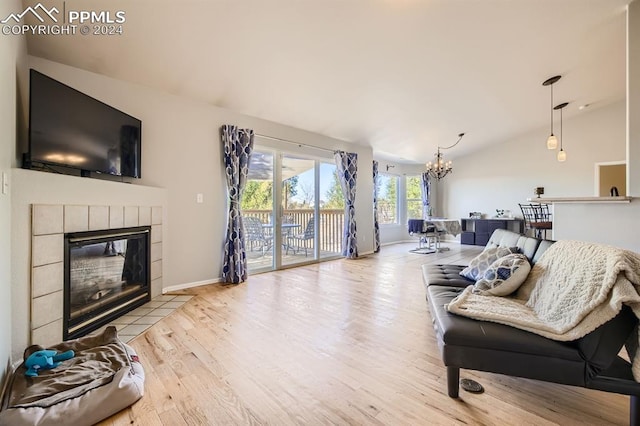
{"points": [[551, 108], [560, 127], [457, 142]]}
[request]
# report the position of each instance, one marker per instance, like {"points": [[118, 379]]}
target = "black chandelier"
{"points": [[440, 168]]}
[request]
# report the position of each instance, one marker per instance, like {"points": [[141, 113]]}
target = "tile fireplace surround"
{"points": [[49, 223]]}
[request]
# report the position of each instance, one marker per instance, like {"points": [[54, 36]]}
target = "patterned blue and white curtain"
{"points": [[376, 224], [347, 168], [425, 186], [238, 144]]}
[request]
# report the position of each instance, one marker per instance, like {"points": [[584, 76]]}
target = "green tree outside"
{"points": [[388, 198], [257, 195], [334, 198], [289, 190], [414, 198]]}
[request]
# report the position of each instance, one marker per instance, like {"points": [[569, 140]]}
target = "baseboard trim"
{"points": [[361, 255], [390, 243], [185, 286]]}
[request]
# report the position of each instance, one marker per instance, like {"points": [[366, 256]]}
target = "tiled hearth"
{"points": [[137, 321], [49, 224]]}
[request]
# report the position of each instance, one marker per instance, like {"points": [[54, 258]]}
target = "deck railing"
{"points": [[330, 226]]}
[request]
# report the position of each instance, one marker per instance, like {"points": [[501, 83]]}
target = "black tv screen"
{"points": [[68, 128]]}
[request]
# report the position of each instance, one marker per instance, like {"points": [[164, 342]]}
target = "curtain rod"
{"points": [[295, 143]]}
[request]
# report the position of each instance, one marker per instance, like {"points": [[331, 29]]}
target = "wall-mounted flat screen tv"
{"points": [[68, 128]]}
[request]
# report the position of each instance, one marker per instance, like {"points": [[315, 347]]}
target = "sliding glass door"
{"points": [[257, 212], [298, 225], [306, 225], [331, 206]]}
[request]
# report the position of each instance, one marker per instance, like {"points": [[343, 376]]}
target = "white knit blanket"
{"points": [[573, 289]]}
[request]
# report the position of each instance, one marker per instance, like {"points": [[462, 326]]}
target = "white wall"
{"points": [[503, 175], [615, 224], [13, 54], [182, 154]]}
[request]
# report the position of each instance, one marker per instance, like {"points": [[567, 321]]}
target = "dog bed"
{"points": [[104, 377]]}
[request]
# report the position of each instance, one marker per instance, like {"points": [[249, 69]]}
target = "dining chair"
{"points": [[434, 236], [426, 234]]}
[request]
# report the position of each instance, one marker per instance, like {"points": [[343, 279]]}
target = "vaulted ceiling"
{"points": [[402, 76]]}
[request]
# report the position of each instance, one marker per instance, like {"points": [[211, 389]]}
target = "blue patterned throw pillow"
{"points": [[504, 276], [481, 262]]}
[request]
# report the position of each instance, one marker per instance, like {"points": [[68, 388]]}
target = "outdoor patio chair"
{"points": [[255, 234], [301, 241]]}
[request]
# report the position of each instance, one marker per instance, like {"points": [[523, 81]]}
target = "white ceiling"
{"points": [[402, 76]]}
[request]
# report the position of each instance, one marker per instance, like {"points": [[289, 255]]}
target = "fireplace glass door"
{"points": [[106, 275]]}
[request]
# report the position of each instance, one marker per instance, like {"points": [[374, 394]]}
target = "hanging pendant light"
{"points": [[562, 154], [552, 141]]}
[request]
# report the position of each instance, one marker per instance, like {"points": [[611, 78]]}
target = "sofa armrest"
{"points": [[600, 348]]}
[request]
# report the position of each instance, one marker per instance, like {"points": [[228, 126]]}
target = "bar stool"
{"points": [[537, 218]]}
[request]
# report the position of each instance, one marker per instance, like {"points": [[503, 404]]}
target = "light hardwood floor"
{"points": [[341, 342]]}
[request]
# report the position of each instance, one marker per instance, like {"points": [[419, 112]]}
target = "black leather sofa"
{"points": [[590, 362]]}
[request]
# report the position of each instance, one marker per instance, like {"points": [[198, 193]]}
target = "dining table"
{"points": [[286, 227], [449, 226]]}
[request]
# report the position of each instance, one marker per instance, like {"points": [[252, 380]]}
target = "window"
{"points": [[387, 199], [414, 198]]}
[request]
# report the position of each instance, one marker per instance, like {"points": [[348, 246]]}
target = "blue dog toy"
{"points": [[44, 360]]}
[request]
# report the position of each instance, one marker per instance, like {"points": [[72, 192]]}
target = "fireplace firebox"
{"points": [[106, 274]]}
